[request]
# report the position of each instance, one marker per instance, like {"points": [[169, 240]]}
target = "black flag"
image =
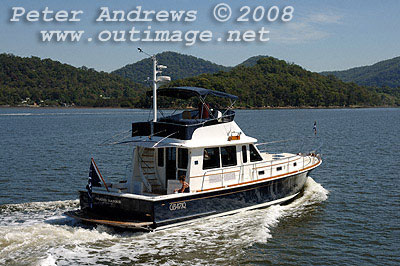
{"points": [[93, 181], [94, 175]]}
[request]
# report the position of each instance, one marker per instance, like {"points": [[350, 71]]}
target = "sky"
{"points": [[320, 35]]}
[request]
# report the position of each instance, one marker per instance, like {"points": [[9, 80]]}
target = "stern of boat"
{"points": [[117, 208]]}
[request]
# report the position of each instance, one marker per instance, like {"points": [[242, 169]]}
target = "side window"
{"points": [[228, 156], [244, 153], [182, 158], [160, 156], [254, 155], [211, 158]]}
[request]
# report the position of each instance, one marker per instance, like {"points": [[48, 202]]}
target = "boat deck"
{"points": [[275, 156], [271, 167]]}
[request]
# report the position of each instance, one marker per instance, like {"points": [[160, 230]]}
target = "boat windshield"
{"points": [[254, 155]]}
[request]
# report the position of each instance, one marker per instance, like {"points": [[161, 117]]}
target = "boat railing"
{"points": [[176, 128], [177, 119], [308, 144], [221, 172], [305, 160]]}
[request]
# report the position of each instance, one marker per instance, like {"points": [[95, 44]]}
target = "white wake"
{"points": [[38, 234]]}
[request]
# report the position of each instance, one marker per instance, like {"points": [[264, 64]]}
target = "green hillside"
{"points": [[269, 83], [252, 61], [179, 66], [275, 83], [384, 73], [47, 82]]}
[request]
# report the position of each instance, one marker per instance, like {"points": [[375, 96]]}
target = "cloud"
{"points": [[299, 32], [324, 18], [306, 29]]}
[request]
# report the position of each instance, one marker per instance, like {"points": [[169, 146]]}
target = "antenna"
{"points": [[141, 51], [155, 80]]}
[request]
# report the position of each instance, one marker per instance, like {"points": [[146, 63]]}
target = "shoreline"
{"points": [[237, 108]]}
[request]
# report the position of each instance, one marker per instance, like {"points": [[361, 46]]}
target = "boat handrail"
{"points": [[201, 121], [197, 124], [219, 169], [255, 165]]}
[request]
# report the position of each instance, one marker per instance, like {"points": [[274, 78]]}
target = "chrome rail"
{"points": [[254, 166], [176, 123]]}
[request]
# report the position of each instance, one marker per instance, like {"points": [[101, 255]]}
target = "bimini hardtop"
{"points": [[192, 164]]}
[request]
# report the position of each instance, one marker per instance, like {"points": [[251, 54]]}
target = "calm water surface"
{"points": [[349, 212]]}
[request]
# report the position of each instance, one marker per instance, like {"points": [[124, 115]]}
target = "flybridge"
{"points": [[181, 126]]}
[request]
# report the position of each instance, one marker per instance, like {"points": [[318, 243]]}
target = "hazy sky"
{"points": [[323, 35]]}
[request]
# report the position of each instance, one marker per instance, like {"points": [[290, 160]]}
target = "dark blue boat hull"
{"points": [[163, 212]]}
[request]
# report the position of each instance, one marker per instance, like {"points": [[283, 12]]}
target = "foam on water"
{"points": [[34, 212], [37, 233], [48, 261], [16, 114]]}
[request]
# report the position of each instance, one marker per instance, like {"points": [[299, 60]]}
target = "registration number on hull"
{"points": [[177, 206]]}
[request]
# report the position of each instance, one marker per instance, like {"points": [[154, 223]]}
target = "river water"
{"points": [[349, 212]]}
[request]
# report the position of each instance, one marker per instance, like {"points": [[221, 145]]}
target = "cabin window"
{"points": [[254, 155], [182, 158], [211, 158], [294, 164], [160, 157], [279, 168], [261, 172], [244, 153], [228, 156]]}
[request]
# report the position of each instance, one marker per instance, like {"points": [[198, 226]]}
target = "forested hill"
{"points": [[252, 61], [269, 83], [179, 66], [384, 73], [47, 82], [275, 83]]}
